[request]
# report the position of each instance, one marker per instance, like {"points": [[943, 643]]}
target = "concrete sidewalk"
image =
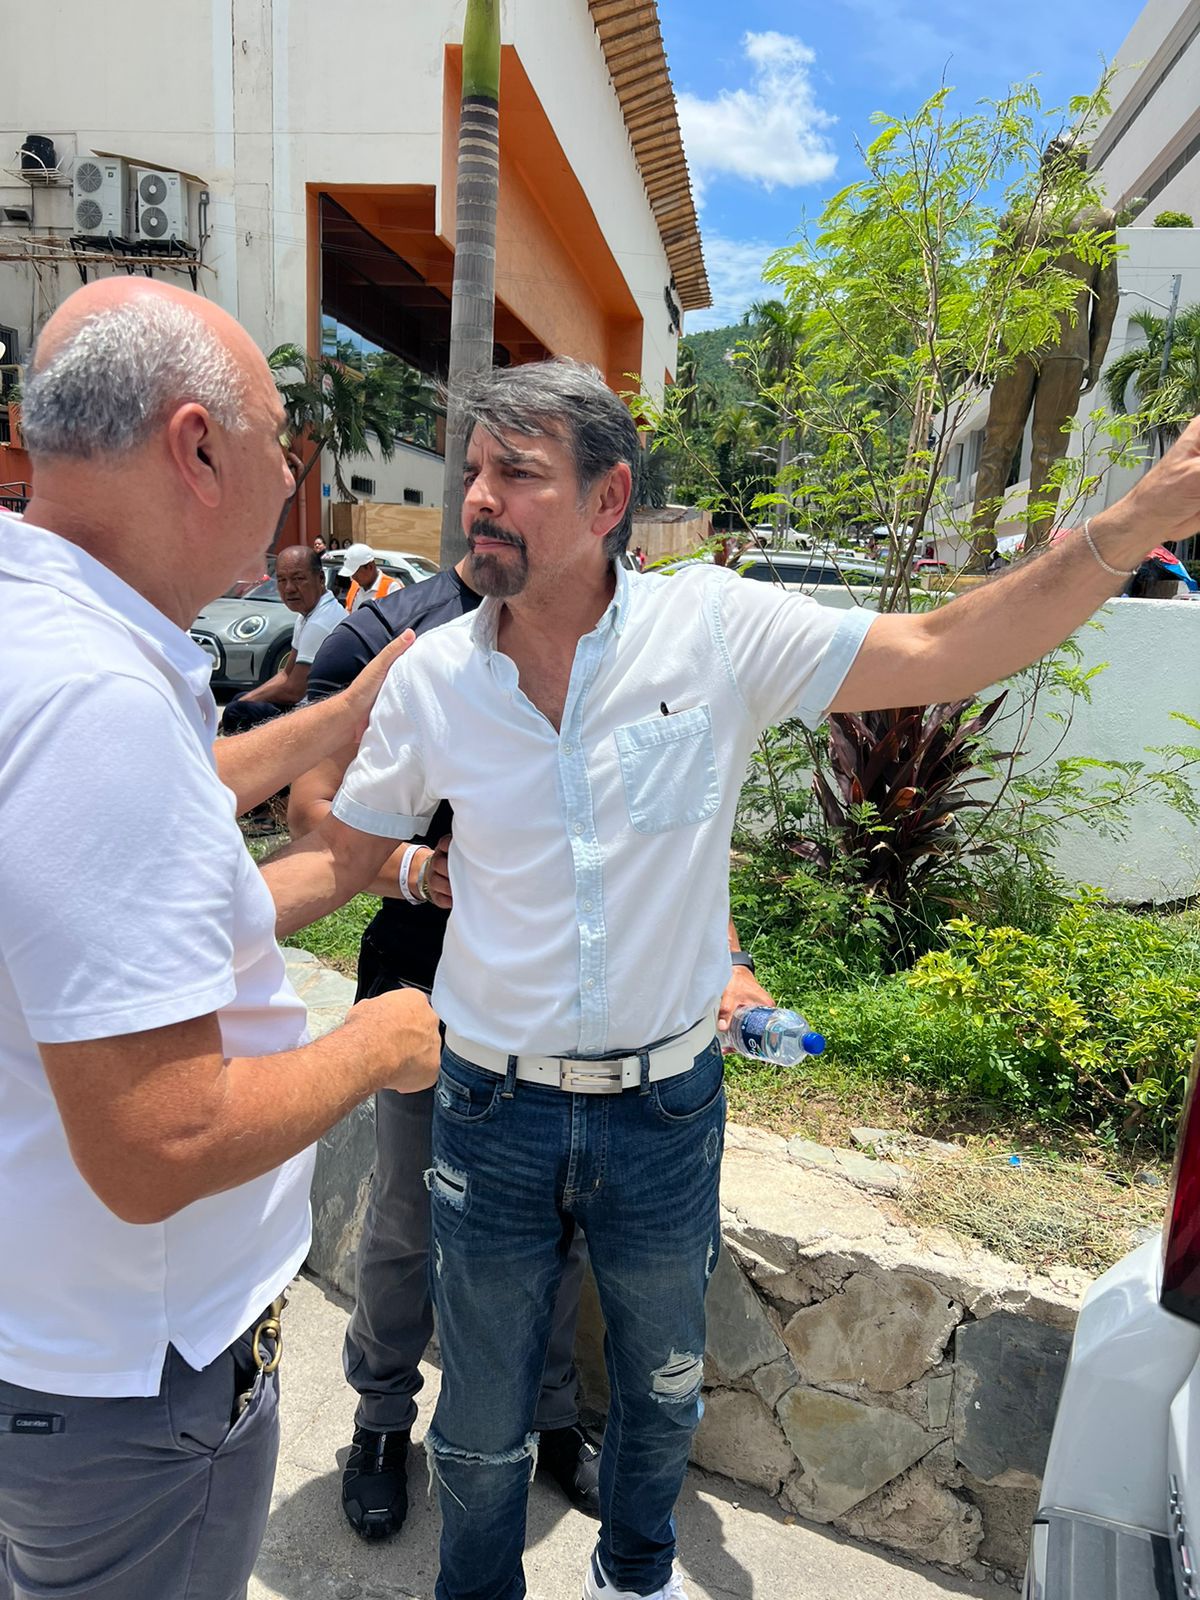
{"points": [[735, 1544]]}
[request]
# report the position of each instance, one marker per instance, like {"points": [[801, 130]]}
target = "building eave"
{"points": [[631, 38]]}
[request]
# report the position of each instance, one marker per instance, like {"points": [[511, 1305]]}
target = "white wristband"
{"points": [[405, 864]]}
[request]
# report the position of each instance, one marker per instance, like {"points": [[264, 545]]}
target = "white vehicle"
{"points": [[809, 570], [1120, 1499], [396, 563]]}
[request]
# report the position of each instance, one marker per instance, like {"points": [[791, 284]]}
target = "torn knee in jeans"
{"points": [[678, 1380], [439, 1456]]}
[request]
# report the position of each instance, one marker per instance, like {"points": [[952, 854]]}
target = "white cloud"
{"points": [[770, 133], [735, 279]]}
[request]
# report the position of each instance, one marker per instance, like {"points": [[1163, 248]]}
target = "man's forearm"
{"points": [[307, 812], [308, 878], [988, 635], [260, 762], [999, 628]]}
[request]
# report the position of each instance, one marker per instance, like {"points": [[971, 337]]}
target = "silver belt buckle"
{"points": [[589, 1077]]}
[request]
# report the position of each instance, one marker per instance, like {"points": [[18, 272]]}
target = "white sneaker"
{"points": [[597, 1585]]}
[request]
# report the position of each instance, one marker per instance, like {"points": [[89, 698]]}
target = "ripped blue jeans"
{"points": [[516, 1168]]}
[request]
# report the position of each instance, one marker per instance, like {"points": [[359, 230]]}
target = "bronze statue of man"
{"points": [[1052, 379]]}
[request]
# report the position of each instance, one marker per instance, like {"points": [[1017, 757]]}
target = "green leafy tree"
{"points": [[473, 307], [346, 403], [921, 282], [1166, 390]]}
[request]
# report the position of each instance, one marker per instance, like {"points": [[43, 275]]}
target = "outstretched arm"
{"points": [[1005, 625]]}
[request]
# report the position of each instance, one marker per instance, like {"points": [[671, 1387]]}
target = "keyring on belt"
{"points": [[270, 1329]]}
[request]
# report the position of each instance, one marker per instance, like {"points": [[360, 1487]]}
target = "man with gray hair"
{"points": [[158, 1093], [590, 729]]}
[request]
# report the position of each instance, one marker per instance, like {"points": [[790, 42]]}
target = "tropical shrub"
{"points": [[1173, 219], [1095, 1021]]}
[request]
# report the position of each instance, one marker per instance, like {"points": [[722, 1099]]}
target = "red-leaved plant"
{"points": [[897, 781]]}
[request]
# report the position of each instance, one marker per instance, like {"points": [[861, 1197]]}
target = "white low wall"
{"points": [[1152, 648], [1152, 651]]}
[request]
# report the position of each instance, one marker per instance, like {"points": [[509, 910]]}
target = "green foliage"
{"points": [[335, 938], [1094, 1021], [915, 291], [347, 401], [1170, 392], [1173, 219]]}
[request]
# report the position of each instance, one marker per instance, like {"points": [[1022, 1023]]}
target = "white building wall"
{"points": [[410, 468], [241, 93], [1169, 120]]}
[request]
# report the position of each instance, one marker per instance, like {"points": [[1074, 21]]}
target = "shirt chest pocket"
{"points": [[669, 769]]}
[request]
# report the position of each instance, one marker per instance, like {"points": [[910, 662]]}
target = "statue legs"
{"points": [[1011, 399], [1055, 403]]}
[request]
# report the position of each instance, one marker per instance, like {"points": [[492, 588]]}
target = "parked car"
{"points": [[1120, 1498], [396, 563], [808, 570], [246, 634]]}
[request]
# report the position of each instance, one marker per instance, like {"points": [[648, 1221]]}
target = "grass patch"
{"points": [[336, 938], [1040, 1214]]}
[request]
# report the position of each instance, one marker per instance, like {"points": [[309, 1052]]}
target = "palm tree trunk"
{"points": [[472, 316]]}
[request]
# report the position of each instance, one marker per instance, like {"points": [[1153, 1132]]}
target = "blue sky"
{"points": [[773, 97]]}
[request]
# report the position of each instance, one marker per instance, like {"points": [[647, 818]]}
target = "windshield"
{"points": [[260, 589]]}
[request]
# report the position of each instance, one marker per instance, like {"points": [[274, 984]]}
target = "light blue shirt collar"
{"points": [[486, 621]]}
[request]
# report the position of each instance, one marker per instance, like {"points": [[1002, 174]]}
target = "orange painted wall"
{"points": [[15, 465]]}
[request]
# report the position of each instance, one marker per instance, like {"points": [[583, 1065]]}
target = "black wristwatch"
{"points": [[741, 958]]}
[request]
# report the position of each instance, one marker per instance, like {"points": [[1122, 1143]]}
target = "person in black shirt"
{"points": [[392, 1318]]}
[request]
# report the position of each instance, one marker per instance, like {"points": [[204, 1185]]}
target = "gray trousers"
{"points": [[393, 1317], [162, 1498]]}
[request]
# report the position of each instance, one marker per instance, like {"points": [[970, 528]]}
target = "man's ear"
{"points": [[615, 491], [194, 447]]}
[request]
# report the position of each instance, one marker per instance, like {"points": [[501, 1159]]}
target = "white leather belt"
{"points": [[591, 1077]]}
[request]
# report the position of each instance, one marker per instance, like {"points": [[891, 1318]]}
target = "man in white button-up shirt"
{"points": [[591, 729], [158, 1092]]}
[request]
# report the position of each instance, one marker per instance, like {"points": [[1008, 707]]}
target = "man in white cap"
{"points": [[366, 580]]}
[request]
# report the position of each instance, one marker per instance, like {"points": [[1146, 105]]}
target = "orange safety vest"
{"points": [[385, 583]]}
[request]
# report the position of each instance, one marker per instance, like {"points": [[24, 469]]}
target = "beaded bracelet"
{"points": [[1117, 572]]}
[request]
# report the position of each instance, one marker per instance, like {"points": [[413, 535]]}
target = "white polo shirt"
{"points": [[311, 632], [129, 902], [590, 865]]}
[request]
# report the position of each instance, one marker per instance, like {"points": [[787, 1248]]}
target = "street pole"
{"points": [[1167, 339]]}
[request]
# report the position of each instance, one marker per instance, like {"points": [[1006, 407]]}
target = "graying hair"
{"points": [[114, 379], [565, 399]]}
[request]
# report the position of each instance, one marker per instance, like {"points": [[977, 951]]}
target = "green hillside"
{"points": [[709, 350]]}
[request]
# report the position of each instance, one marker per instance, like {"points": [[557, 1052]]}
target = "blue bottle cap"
{"points": [[814, 1044]]}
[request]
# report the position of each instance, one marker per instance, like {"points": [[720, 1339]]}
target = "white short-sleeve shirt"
{"points": [[311, 632], [129, 902], [590, 864]]}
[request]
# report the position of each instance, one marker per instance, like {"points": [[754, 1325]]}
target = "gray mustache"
{"points": [[489, 530]]}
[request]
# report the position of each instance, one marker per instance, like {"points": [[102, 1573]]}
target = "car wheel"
{"points": [[275, 660]]}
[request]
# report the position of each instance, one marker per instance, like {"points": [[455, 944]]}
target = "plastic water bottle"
{"points": [[770, 1033]]}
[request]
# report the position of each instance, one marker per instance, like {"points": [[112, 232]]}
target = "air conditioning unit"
{"points": [[160, 205], [99, 197]]}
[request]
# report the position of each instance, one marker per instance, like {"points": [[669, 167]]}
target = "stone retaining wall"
{"points": [[896, 1384]]}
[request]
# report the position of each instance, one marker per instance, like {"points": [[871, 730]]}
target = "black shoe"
{"points": [[375, 1483], [572, 1458]]}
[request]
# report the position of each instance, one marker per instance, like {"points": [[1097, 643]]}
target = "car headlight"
{"points": [[247, 628]]}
